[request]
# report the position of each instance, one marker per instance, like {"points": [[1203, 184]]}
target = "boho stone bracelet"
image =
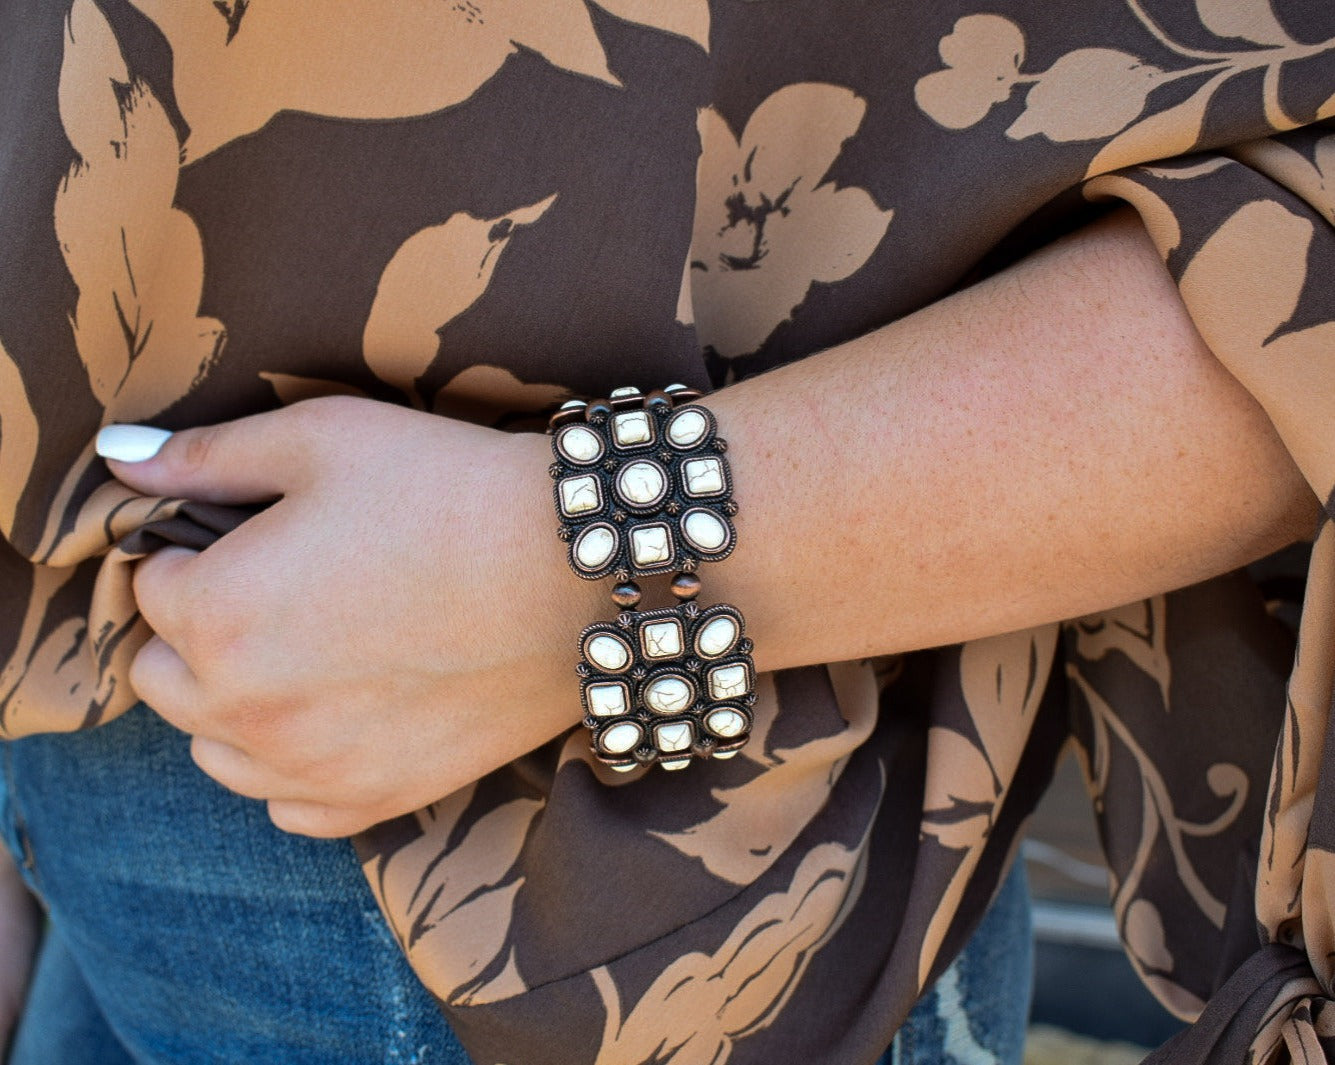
{"points": [[643, 489]]}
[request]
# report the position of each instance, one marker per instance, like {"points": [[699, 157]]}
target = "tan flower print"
{"points": [[1099, 93], [370, 60], [767, 224], [136, 259]]}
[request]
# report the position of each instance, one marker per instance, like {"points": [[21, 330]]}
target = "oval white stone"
{"points": [[687, 428], [724, 755], [608, 652], [726, 722], [625, 390], [668, 695], [621, 737], [704, 531], [676, 763], [579, 443], [595, 546], [642, 483], [717, 637], [674, 737], [727, 682]]}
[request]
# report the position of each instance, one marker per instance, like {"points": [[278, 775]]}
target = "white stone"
{"points": [[717, 637], [676, 763], [704, 531], [579, 495], [595, 546], [631, 428], [625, 390], [642, 483], [726, 722], [632, 767], [579, 443], [723, 756], [661, 639], [669, 695], [650, 545], [608, 652], [674, 737], [727, 682], [687, 428], [621, 738], [571, 404], [607, 700], [678, 387], [704, 476]]}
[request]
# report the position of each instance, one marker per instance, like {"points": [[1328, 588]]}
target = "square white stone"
{"points": [[631, 428], [704, 476], [607, 700], [580, 495], [661, 639], [650, 545], [674, 737], [727, 682]]}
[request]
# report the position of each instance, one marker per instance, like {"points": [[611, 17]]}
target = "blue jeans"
{"points": [[186, 929]]}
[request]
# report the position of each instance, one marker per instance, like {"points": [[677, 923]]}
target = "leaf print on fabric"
{"points": [[1312, 179], [746, 836], [136, 260], [767, 224], [1262, 249], [435, 275], [18, 440], [449, 897], [1137, 630], [685, 18], [742, 986], [361, 59], [1098, 93], [1002, 679], [1250, 20]]}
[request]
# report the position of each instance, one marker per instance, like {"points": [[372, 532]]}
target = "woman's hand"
{"points": [[399, 623], [20, 921]]}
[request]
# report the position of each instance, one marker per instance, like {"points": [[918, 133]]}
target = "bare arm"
{"points": [[1052, 441]]}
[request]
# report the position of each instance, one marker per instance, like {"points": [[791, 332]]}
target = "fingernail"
{"points": [[130, 443]]}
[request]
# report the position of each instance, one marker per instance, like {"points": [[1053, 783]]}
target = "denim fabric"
{"points": [[977, 1012], [185, 929]]}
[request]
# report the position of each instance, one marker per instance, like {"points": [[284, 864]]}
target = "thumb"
{"points": [[249, 460]]}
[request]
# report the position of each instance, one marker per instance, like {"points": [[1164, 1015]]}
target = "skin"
{"points": [[1053, 441]]}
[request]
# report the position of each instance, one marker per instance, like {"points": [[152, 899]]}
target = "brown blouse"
{"points": [[210, 207]]}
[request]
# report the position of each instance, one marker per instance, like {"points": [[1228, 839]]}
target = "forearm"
{"points": [[1053, 441]]}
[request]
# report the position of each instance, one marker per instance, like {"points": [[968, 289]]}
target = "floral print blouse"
{"points": [[481, 208]]}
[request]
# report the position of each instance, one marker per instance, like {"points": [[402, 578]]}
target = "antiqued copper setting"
{"points": [[658, 691], [642, 488]]}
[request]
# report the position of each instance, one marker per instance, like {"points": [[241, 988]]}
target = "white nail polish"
{"points": [[130, 443]]}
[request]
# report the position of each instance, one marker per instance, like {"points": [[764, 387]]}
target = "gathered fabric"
{"points": [[482, 209]]}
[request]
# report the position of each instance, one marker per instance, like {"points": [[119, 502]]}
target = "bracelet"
{"points": [[643, 489]]}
